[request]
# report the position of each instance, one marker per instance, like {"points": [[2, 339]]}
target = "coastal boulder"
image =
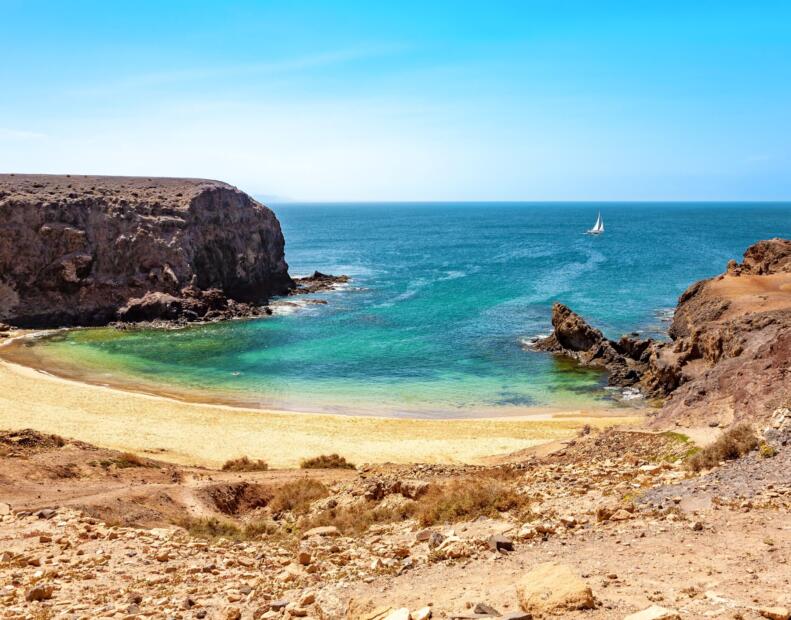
{"points": [[572, 336]]}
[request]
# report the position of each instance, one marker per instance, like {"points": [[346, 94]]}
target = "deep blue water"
{"points": [[441, 299]]}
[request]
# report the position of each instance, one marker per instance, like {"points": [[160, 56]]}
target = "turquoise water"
{"points": [[441, 300]]}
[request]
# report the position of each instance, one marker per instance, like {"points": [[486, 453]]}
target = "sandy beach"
{"points": [[209, 434]]}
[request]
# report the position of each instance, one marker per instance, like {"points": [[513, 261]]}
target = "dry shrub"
{"points": [[297, 496], [732, 444], [69, 470], [243, 463], [212, 528], [468, 499], [326, 461], [127, 459], [356, 519]]}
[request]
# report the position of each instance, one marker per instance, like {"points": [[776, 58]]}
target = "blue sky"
{"points": [[530, 100]]}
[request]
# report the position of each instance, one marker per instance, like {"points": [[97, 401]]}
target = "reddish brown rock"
{"points": [[76, 249], [730, 355]]}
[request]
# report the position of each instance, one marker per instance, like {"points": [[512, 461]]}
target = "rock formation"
{"points": [[730, 352], [74, 250]]}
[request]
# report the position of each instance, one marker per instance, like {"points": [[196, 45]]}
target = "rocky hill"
{"points": [[74, 250], [729, 358]]}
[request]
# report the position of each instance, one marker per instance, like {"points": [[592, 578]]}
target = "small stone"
{"points": [[233, 613], [435, 539], [621, 515], [39, 593], [484, 609], [398, 614], [278, 605], [304, 557], [775, 613], [498, 542], [424, 613], [655, 612]]}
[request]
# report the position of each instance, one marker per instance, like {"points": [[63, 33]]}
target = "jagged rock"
{"points": [[731, 344], [573, 337], [318, 282], [485, 609], [552, 588], [75, 249]]}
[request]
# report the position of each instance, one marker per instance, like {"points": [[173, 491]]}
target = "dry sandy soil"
{"points": [[97, 533]]}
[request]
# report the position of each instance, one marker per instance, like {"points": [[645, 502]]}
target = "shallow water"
{"points": [[441, 300]]}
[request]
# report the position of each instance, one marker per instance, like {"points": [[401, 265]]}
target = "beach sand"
{"points": [[209, 434]]}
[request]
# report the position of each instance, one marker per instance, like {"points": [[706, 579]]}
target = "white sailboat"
{"points": [[598, 227]]}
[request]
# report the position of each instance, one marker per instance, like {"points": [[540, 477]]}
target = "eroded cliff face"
{"points": [[76, 249], [730, 354]]}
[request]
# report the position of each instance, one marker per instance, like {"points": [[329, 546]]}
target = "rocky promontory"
{"points": [[729, 357], [89, 250]]}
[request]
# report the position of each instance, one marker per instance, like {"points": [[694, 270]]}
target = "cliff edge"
{"points": [[729, 358], [76, 250]]}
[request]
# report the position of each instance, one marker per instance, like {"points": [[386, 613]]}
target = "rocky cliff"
{"points": [[730, 352], [74, 250]]}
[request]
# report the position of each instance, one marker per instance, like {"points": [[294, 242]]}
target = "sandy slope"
{"points": [[194, 433]]}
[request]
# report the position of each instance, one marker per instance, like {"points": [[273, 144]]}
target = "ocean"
{"points": [[441, 301]]}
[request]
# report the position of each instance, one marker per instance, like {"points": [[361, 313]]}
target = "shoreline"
{"points": [[13, 350], [205, 433]]}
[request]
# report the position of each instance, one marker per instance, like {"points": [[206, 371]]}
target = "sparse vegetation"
{"points": [[732, 444], [297, 496], [212, 528], [355, 520], [123, 461], [244, 463], [468, 499], [766, 451], [326, 461]]}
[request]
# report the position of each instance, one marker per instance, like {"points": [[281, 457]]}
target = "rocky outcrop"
{"points": [[76, 250], [317, 282], [730, 352], [626, 360]]}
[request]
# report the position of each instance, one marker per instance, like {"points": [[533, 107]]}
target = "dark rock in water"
{"points": [[74, 250], [317, 282], [574, 337], [730, 354]]}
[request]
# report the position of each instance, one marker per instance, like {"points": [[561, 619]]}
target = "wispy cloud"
{"points": [[276, 67], [18, 134]]}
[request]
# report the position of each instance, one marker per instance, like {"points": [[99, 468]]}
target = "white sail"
{"points": [[598, 227]]}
